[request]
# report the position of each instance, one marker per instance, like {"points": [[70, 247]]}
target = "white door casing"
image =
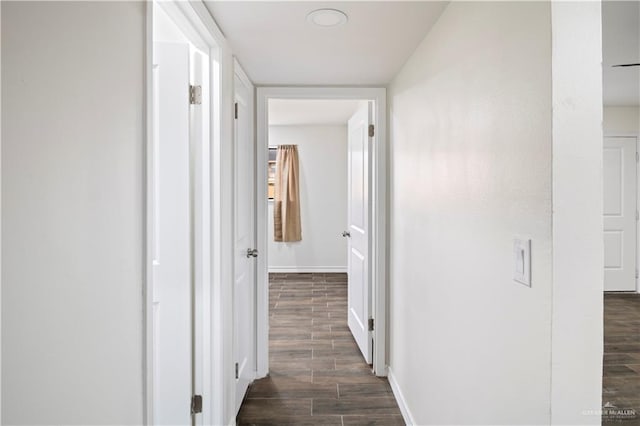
{"points": [[244, 238], [171, 246], [358, 220], [619, 204], [378, 214]]}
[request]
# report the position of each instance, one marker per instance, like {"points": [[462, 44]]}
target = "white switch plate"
{"points": [[522, 261]]}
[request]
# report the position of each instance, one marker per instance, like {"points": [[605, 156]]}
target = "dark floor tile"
{"points": [[346, 377], [317, 373], [352, 364], [621, 372], [290, 354], [291, 388], [348, 352], [619, 359], [365, 389], [265, 409], [392, 420], [294, 421], [356, 406]]}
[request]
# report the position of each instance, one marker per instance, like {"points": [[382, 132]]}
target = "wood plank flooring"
{"points": [[318, 375], [621, 372]]}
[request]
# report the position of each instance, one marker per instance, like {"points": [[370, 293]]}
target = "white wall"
{"points": [[578, 247], [471, 169], [621, 121], [322, 154], [72, 176], [472, 155]]}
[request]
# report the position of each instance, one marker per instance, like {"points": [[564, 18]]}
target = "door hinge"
{"points": [[637, 157], [235, 111], [195, 95], [637, 274], [370, 324], [637, 215], [372, 130], [196, 404], [237, 371]]}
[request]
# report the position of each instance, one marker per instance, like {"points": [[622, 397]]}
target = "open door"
{"points": [[172, 271], [358, 221], [244, 239], [619, 188]]}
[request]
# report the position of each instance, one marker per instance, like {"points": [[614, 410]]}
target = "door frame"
{"points": [[377, 206], [217, 378], [246, 81], [637, 138]]}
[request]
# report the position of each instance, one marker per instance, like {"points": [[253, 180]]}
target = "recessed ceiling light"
{"points": [[327, 17]]}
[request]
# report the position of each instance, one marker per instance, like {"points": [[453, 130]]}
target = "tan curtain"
{"points": [[286, 203]]}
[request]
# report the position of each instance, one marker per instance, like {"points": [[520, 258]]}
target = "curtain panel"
{"points": [[286, 202]]}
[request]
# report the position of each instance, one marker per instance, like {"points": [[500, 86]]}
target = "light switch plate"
{"points": [[522, 261]]}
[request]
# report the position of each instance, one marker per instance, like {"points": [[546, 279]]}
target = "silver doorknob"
{"points": [[252, 252], [346, 234]]}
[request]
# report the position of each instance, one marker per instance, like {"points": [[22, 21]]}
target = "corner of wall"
{"points": [[577, 331]]}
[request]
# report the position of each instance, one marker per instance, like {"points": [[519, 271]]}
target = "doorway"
{"points": [[372, 210], [178, 224], [621, 122]]}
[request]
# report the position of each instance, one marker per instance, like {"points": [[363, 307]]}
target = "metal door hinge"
{"points": [[235, 111], [637, 157], [372, 130], [195, 95], [370, 324], [237, 371], [637, 274], [196, 404]]}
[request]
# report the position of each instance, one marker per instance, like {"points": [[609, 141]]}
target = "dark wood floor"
{"points": [[621, 378], [318, 375]]}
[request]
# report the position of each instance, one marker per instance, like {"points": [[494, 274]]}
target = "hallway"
{"points": [[317, 374]]}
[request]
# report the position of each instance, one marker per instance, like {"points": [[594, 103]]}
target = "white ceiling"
{"points": [[294, 112], [277, 46], [621, 44]]}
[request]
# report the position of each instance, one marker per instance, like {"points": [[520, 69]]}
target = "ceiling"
{"points": [[621, 44], [277, 46], [294, 112]]}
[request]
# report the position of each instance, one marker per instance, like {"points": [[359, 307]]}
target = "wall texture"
{"points": [[72, 179], [470, 117], [621, 121], [323, 195]]}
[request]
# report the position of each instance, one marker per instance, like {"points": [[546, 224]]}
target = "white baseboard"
{"points": [[402, 403], [307, 269]]}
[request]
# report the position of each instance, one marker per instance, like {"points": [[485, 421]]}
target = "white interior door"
{"points": [[359, 293], [244, 234], [200, 232], [172, 272], [619, 187]]}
